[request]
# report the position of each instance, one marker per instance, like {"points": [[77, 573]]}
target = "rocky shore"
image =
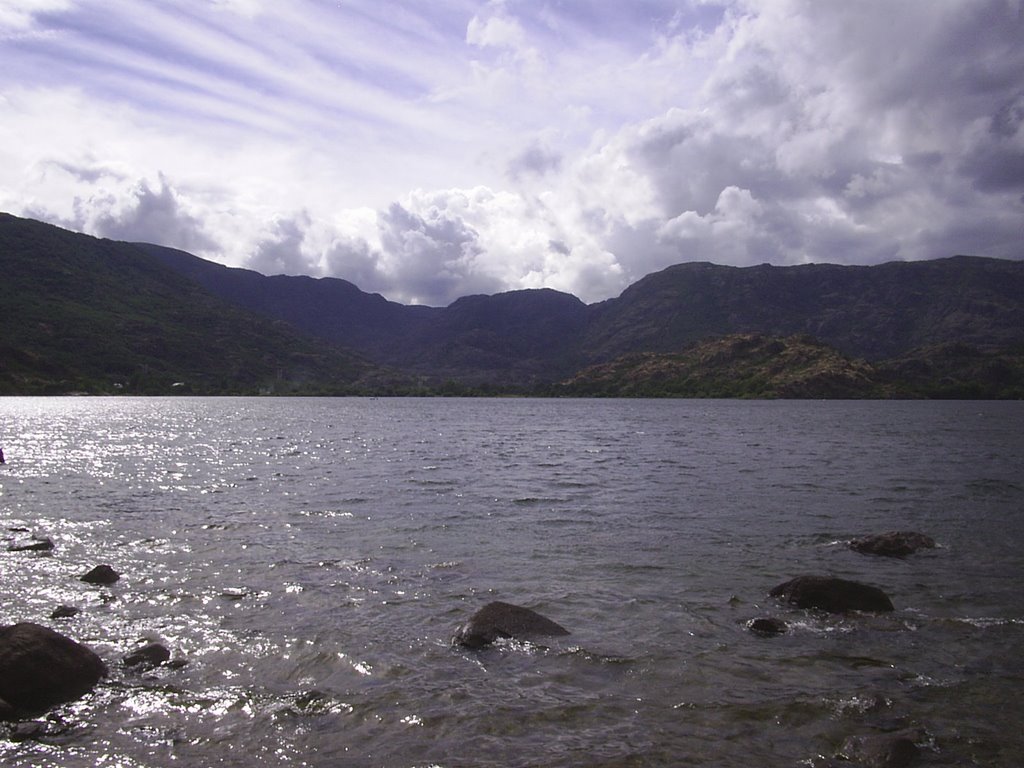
{"points": [[41, 668]]}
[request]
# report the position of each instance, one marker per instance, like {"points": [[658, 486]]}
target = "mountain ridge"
{"points": [[526, 340]]}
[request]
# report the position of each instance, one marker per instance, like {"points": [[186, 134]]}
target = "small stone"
{"points": [[151, 654], [36, 545], [892, 544], [64, 612], [767, 626]]}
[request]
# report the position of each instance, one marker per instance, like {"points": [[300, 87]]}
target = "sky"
{"points": [[431, 150]]}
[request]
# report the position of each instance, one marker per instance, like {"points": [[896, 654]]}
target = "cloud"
{"points": [[535, 159], [280, 251], [434, 256], [18, 16], [496, 29], [431, 153], [151, 216]]}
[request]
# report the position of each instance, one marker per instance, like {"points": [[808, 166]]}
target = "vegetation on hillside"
{"points": [[760, 366]]}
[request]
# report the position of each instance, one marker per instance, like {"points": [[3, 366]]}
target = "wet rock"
{"points": [[151, 654], [40, 668], [834, 595], [503, 620], [101, 574], [29, 731], [767, 626], [893, 543], [37, 544], [888, 750], [64, 612]]}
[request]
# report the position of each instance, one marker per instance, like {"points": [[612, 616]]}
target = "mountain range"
{"points": [[86, 314]]}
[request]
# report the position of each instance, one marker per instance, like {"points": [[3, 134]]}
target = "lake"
{"points": [[308, 560]]}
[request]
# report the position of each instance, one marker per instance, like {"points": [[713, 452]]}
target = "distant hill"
{"points": [[82, 313], [874, 312], [758, 366], [531, 337], [742, 365], [520, 338]]}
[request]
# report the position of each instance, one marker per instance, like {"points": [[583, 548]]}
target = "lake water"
{"points": [[309, 560]]}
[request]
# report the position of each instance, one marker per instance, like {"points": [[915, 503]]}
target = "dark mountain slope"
{"points": [[96, 315], [514, 338], [331, 309], [871, 312], [524, 337]]}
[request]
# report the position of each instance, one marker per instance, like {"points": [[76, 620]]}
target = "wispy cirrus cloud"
{"points": [[428, 152]]}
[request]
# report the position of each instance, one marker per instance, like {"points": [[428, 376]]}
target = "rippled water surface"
{"points": [[308, 561]]}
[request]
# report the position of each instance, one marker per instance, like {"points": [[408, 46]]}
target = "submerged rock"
{"points": [[64, 612], [503, 620], [834, 595], [893, 543], [101, 574], [151, 654], [887, 750], [37, 544], [30, 730], [767, 626], [40, 668]]}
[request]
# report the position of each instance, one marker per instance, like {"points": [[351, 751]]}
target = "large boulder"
{"points": [[503, 620], [40, 668], [827, 593], [893, 543]]}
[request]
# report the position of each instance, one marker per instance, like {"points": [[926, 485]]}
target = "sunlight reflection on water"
{"points": [[308, 561]]}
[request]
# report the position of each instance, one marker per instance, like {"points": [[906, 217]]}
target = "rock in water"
{"points": [[833, 595], [893, 543], [64, 612], [101, 574], [35, 545], [151, 654], [497, 620], [40, 668], [767, 626], [896, 750]]}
